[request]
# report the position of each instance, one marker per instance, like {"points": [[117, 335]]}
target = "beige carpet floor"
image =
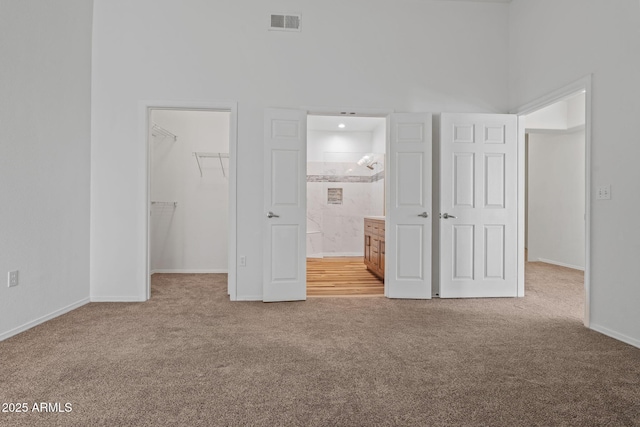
{"points": [[189, 357]]}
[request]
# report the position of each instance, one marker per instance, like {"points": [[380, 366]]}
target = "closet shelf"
{"points": [[201, 155], [160, 131], [174, 204]]}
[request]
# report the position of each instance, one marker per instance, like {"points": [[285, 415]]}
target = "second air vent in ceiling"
{"points": [[281, 22]]}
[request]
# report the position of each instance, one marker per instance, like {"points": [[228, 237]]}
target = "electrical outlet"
{"points": [[13, 278], [603, 192], [243, 261]]}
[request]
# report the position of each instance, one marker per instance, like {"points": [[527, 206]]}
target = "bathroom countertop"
{"points": [[375, 217]]}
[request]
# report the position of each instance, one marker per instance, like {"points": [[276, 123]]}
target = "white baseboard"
{"points": [[335, 254], [561, 264], [118, 299], [43, 319], [613, 334], [190, 271]]}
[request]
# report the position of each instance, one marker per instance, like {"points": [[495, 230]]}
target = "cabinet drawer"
{"points": [[368, 228], [374, 227]]}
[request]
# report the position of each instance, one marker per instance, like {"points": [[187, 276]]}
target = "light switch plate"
{"points": [[603, 192]]}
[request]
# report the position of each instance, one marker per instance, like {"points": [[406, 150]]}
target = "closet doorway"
{"points": [[189, 192], [345, 185]]}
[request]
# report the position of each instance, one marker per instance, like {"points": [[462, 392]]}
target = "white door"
{"points": [[409, 216], [478, 205], [285, 156]]}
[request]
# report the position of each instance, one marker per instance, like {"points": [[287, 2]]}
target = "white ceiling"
{"points": [[352, 124]]}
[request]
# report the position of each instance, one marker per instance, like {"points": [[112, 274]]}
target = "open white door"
{"points": [[409, 216], [285, 156], [479, 205]]}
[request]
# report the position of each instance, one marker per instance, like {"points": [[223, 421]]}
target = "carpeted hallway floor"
{"points": [[189, 357]]}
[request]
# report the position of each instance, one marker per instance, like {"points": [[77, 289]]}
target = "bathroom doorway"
{"points": [[345, 185]]}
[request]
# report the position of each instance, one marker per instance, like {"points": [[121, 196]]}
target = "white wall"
{"points": [[191, 237], [379, 138], [595, 37], [321, 142], [379, 145], [45, 82], [563, 115], [406, 55], [576, 111], [552, 117], [556, 199], [338, 229]]}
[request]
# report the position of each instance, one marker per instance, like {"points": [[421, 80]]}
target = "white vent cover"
{"points": [[281, 22]]}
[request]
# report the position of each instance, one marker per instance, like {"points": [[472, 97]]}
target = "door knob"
{"points": [[424, 215], [272, 215], [446, 216]]}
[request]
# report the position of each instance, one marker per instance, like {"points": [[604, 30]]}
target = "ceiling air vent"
{"points": [[280, 22]]}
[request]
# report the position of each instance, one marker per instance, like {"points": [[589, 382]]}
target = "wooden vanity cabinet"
{"points": [[374, 246]]}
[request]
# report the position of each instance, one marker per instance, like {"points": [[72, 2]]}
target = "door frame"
{"points": [[145, 108], [583, 84]]}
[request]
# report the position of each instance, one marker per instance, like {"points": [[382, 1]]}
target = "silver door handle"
{"points": [[446, 216], [272, 215], [424, 215]]}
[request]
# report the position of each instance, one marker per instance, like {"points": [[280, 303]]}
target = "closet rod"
{"points": [[220, 156], [174, 204], [158, 130]]}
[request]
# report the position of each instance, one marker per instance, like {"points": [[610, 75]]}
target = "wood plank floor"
{"points": [[343, 276]]}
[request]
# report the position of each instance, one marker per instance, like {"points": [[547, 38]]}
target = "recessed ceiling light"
{"points": [[341, 126]]}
